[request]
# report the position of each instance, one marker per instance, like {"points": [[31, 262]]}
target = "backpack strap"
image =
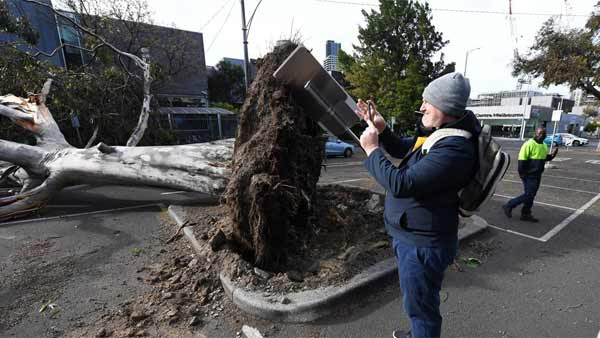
{"points": [[440, 134]]}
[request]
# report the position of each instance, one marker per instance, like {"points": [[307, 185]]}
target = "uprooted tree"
{"points": [[53, 164], [272, 178], [270, 184]]}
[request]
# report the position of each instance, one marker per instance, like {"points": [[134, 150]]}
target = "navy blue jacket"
{"points": [[421, 204]]}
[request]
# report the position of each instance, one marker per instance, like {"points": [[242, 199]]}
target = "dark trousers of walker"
{"points": [[530, 188], [421, 271]]}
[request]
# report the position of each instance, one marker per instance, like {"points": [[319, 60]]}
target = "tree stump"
{"points": [[276, 165]]}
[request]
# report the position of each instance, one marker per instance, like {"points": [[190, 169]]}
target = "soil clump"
{"points": [[276, 165]]}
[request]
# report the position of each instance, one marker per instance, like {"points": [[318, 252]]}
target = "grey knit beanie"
{"points": [[449, 93]]}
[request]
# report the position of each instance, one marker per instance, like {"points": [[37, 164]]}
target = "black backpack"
{"points": [[492, 164]]}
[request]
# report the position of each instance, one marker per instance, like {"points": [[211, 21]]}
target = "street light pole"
{"points": [[245, 35], [467, 59]]}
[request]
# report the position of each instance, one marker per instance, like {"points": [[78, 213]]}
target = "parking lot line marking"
{"points": [[569, 219], [571, 178], [541, 203], [172, 192], [81, 214], [346, 181], [514, 232], [555, 187], [562, 159], [563, 177], [349, 164]]}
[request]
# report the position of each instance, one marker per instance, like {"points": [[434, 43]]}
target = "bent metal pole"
{"points": [[245, 35]]}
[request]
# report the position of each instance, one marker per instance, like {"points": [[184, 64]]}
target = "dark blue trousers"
{"points": [[530, 188], [421, 272]]}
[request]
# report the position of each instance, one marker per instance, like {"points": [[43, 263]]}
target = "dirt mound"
{"points": [[344, 235], [275, 169]]}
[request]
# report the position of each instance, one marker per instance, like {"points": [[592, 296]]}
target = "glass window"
{"points": [[70, 36], [190, 121]]}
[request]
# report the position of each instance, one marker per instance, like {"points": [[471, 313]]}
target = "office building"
{"points": [[332, 49]]}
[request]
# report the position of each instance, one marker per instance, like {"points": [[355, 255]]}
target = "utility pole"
{"points": [[245, 34]]}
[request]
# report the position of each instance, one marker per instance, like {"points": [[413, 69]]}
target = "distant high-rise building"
{"points": [[330, 63], [332, 49]]}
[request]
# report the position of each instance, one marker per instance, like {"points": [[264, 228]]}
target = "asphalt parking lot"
{"points": [[536, 280]]}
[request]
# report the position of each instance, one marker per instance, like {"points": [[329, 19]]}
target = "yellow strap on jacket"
{"points": [[419, 142]]}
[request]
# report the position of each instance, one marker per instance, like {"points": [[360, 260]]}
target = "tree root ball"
{"points": [[276, 165]]}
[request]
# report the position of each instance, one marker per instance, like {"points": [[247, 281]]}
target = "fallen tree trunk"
{"points": [[53, 164]]}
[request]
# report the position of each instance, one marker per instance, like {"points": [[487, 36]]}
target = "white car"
{"points": [[572, 140]]}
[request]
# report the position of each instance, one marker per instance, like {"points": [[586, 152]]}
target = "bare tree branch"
{"points": [[45, 91], [138, 61], [21, 154], [139, 130], [14, 114], [34, 116], [93, 138]]}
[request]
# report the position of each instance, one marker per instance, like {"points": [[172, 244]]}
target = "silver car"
{"points": [[572, 140]]}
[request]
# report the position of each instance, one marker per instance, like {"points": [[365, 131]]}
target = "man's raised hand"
{"points": [[363, 112]]}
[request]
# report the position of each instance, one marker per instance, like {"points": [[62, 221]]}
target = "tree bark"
{"points": [[54, 164]]}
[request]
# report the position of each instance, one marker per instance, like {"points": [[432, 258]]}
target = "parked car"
{"points": [[558, 140], [572, 140], [337, 147]]}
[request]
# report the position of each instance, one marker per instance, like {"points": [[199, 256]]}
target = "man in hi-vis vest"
{"points": [[532, 159]]}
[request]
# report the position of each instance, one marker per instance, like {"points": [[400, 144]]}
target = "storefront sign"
{"points": [[498, 115], [556, 115]]}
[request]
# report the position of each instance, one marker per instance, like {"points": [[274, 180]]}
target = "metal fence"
{"points": [[197, 128]]}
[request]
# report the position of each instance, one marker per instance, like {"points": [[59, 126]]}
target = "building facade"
{"points": [[187, 81], [43, 20], [516, 114], [179, 54], [332, 49]]}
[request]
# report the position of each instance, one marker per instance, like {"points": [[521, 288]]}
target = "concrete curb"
{"points": [[310, 305], [177, 213]]}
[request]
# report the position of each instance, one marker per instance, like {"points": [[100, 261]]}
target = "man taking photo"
{"points": [[422, 201]]}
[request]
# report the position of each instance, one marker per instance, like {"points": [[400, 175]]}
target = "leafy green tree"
{"points": [[565, 56], [591, 127], [226, 84], [394, 59], [225, 105]]}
